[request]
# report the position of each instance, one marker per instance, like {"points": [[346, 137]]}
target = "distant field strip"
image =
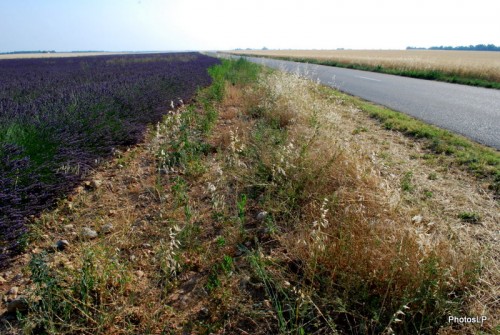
{"points": [[478, 68], [58, 55]]}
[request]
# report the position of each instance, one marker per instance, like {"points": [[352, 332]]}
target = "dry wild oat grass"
{"points": [[372, 209]]}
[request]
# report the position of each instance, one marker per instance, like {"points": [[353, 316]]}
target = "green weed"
{"points": [[220, 241], [359, 129], [469, 217], [179, 190], [241, 204], [406, 182], [222, 269], [64, 300], [432, 176]]}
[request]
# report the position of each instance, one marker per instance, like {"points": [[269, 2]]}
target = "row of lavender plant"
{"points": [[59, 116]]}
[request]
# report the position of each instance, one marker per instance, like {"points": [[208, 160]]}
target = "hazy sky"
{"points": [[139, 25]]}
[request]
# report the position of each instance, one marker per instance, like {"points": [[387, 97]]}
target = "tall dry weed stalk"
{"points": [[167, 253], [236, 147], [318, 236], [167, 131]]}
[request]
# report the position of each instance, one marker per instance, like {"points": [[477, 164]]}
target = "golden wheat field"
{"points": [[480, 64]]}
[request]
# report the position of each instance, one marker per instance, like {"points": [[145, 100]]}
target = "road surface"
{"points": [[470, 111]]}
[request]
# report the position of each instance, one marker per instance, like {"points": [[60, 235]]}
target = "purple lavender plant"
{"points": [[70, 111]]}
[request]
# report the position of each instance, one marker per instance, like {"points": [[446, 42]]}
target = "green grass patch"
{"points": [[233, 72], [36, 142]]}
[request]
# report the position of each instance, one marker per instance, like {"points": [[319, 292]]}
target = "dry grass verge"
{"points": [[266, 207]]}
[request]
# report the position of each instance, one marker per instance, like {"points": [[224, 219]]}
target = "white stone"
{"points": [[88, 233], [262, 215], [417, 218]]}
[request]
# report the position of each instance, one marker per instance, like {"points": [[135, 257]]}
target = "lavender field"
{"points": [[59, 116]]}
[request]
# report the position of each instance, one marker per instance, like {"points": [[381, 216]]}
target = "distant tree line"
{"points": [[479, 47], [89, 51], [28, 52], [45, 52]]}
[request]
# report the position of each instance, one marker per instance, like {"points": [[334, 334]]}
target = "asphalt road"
{"points": [[470, 111]]}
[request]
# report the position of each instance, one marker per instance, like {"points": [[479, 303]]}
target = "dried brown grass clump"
{"points": [[339, 223]]}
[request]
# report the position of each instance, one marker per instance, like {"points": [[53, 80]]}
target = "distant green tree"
{"points": [[478, 47]]}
